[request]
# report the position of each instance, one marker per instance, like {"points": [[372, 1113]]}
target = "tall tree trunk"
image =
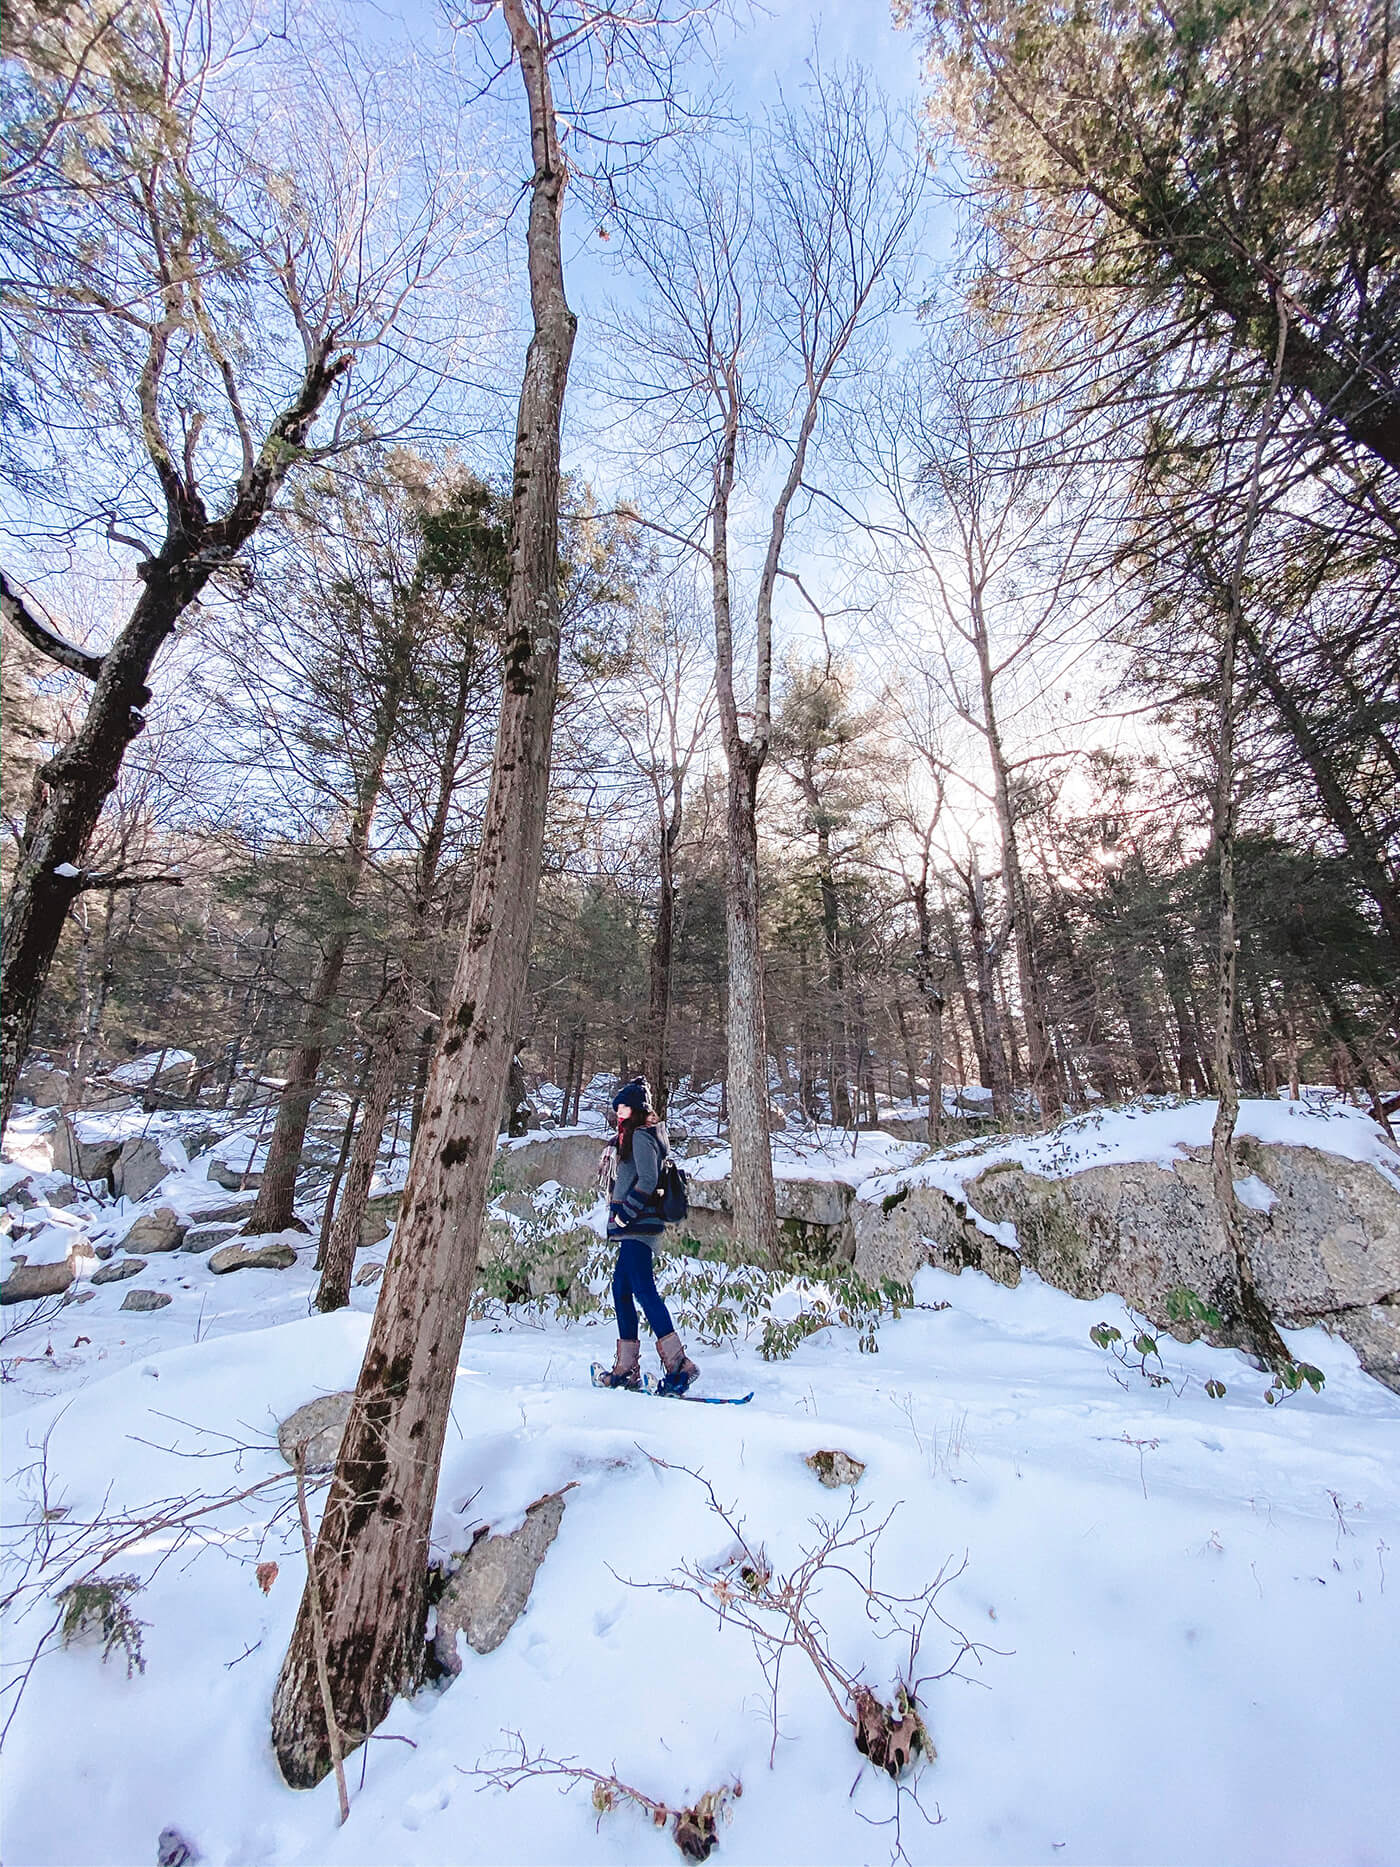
{"points": [[746, 1072], [974, 1022], [1044, 1084], [755, 1200], [273, 1208], [343, 1238], [659, 966], [371, 1559], [931, 981], [985, 956], [1256, 1320], [391, 1037]]}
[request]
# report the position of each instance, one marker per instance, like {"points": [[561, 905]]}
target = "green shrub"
{"points": [[99, 1604]]}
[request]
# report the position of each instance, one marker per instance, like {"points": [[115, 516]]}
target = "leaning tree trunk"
{"points": [[72, 787], [70, 791], [371, 1559], [392, 1033]]}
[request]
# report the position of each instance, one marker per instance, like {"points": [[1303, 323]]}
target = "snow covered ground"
{"points": [[1185, 1612]]}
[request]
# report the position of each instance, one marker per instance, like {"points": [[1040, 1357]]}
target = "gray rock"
{"points": [[487, 1594], [85, 1160], [120, 1271], [379, 1214], [140, 1167], [571, 1159], [369, 1273], [814, 1216], [835, 1469], [161, 1230], [145, 1299], [64, 1195], [26, 1283], [914, 1226], [231, 1179], [201, 1238], [174, 1850], [271, 1257], [46, 1088], [232, 1212], [320, 1425], [1374, 1332]]}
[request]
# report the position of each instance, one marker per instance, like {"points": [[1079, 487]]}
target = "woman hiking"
{"points": [[634, 1220]]}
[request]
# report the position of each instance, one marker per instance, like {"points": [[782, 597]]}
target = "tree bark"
{"points": [[372, 1553]]}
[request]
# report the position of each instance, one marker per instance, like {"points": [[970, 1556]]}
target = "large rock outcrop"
{"points": [[1323, 1235]]}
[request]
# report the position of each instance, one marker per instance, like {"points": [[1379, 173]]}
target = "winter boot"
{"points": [[626, 1370], [680, 1371]]}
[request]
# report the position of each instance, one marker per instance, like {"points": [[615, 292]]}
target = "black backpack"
{"points": [[672, 1191]]}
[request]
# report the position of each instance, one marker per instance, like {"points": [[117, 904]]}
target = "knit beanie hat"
{"points": [[635, 1096]]}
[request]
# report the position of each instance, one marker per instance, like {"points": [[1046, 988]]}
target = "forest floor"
{"points": [[1169, 1628]]}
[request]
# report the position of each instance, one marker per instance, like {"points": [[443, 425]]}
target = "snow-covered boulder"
{"points": [[161, 1230], [143, 1163], [147, 1299], [1323, 1238], [118, 1271], [45, 1087], [1125, 1203], [317, 1428], [233, 1179], [50, 1277], [273, 1256], [158, 1069], [84, 1154]]}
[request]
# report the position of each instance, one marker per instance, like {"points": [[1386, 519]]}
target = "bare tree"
{"points": [[764, 269], [229, 286], [984, 501]]}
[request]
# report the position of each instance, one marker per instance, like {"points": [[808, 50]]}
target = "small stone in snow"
{"points": [[173, 1850]]}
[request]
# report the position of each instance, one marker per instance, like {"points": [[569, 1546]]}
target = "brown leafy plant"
{"points": [[780, 1614]]}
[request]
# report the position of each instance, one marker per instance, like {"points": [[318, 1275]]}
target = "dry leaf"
{"points": [[267, 1575]]}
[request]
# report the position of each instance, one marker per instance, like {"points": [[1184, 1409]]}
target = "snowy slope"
{"points": [[1187, 1611]]}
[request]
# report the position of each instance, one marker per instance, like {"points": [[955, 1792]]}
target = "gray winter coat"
{"points": [[632, 1210]]}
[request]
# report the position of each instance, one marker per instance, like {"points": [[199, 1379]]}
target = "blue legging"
{"points": [[635, 1277]]}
